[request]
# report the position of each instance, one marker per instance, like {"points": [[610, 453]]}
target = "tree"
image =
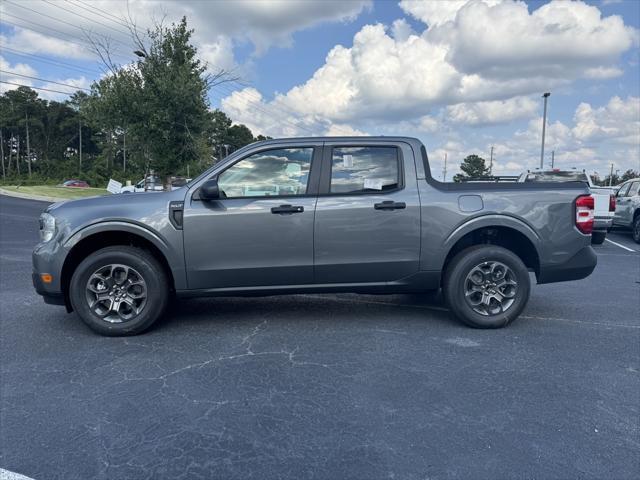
{"points": [[629, 174], [472, 166]]}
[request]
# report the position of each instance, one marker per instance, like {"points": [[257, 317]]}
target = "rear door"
{"points": [[627, 202], [367, 225], [623, 202], [260, 234]]}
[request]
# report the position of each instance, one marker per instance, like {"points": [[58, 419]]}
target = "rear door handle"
{"points": [[390, 205], [287, 209]]}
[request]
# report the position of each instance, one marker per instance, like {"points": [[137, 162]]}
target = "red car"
{"points": [[76, 184]]}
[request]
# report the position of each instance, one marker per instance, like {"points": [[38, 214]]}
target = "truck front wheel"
{"points": [[119, 290], [486, 286]]}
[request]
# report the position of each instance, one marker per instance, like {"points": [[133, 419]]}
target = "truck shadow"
{"points": [[313, 308]]}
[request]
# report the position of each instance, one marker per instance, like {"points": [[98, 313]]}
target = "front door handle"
{"points": [[390, 205], [287, 209]]}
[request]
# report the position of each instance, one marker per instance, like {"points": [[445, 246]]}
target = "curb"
{"points": [[28, 196]]}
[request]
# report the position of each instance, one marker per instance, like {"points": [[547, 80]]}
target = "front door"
{"points": [[367, 226], [260, 232]]}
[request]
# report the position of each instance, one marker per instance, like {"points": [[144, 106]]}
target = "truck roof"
{"points": [[339, 139]]}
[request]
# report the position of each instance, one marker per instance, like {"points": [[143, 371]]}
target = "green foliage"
{"points": [[618, 179], [150, 114], [472, 166]]}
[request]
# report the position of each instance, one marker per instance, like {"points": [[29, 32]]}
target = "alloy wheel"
{"points": [[490, 288], [116, 293]]}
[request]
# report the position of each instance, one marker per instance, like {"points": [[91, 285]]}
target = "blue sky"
{"points": [[461, 75]]}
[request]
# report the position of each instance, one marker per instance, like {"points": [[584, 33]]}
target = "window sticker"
{"points": [[347, 161], [372, 184]]}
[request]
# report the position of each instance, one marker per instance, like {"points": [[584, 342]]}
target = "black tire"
{"points": [[597, 238], [456, 282], [145, 265], [635, 229]]}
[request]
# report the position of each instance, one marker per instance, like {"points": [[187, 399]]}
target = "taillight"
{"points": [[584, 213], [612, 203]]}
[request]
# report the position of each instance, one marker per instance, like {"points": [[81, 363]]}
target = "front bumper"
{"points": [[52, 298], [48, 257], [579, 266]]}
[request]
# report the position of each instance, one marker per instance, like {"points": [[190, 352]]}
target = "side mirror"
{"points": [[209, 190]]}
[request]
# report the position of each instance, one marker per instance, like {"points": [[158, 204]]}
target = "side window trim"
{"points": [[327, 163], [633, 189], [624, 189], [312, 182]]}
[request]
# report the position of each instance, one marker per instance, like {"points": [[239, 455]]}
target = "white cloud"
{"points": [[18, 68], [436, 12], [618, 120], [603, 72], [492, 112], [558, 41], [217, 25], [483, 55], [75, 85], [597, 137], [34, 42]]}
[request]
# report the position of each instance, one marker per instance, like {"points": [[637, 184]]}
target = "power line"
{"points": [[104, 12], [61, 21], [45, 80], [38, 58], [83, 46], [241, 93], [85, 17], [36, 88]]}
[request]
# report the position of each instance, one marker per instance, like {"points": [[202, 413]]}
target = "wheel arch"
{"points": [[512, 234], [98, 236]]}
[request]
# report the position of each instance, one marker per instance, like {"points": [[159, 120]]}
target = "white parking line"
{"points": [[620, 245], [7, 475]]}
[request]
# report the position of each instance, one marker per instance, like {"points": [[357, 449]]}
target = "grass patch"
{"points": [[57, 192]]}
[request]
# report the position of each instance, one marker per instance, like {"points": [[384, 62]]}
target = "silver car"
{"points": [[628, 207]]}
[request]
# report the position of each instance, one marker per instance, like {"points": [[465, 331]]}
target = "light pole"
{"points": [[544, 126]]}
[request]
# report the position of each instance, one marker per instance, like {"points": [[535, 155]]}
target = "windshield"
{"points": [[557, 177]]}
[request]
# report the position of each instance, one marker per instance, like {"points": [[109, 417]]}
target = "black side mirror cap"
{"points": [[209, 190]]}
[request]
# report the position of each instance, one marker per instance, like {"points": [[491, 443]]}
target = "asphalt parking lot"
{"points": [[323, 387]]}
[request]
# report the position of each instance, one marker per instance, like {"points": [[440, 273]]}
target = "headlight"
{"points": [[47, 227]]}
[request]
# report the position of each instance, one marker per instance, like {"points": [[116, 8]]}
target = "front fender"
{"points": [[173, 254]]}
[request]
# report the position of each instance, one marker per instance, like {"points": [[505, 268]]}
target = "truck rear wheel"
{"points": [[486, 286], [119, 290]]}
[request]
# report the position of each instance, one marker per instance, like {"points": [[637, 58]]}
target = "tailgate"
{"points": [[601, 201]]}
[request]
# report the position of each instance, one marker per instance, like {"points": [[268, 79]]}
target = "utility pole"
{"points": [[444, 170], [80, 147], [4, 175], [491, 162], [26, 119], [553, 153], [544, 126], [611, 175], [18, 156], [11, 140]]}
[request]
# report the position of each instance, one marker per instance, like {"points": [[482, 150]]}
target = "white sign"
{"points": [[114, 186], [372, 184]]}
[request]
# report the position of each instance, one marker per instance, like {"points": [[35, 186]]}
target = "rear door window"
{"points": [[633, 189], [374, 169]]}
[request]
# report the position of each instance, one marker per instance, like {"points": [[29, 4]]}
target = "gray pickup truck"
{"points": [[319, 215]]}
